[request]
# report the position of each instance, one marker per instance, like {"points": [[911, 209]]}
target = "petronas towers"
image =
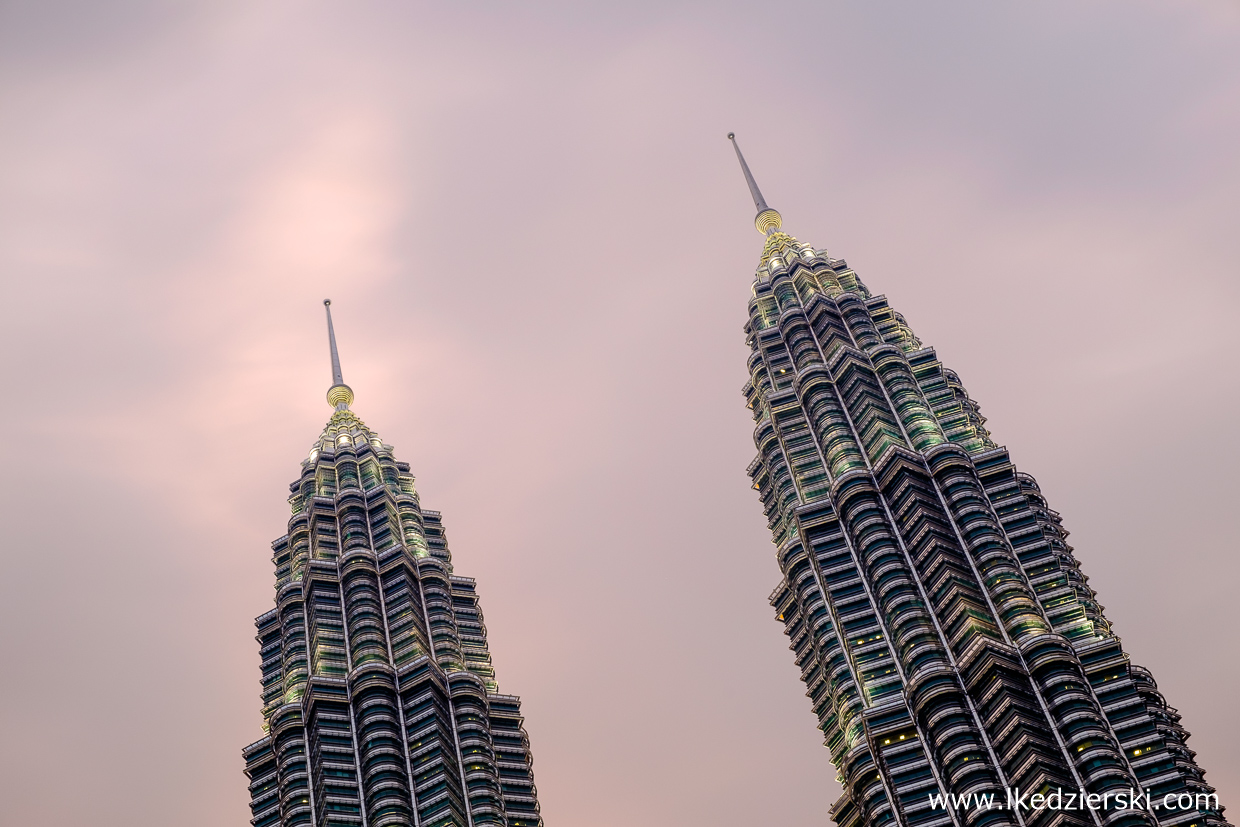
{"points": [[379, 699], [960, 667]]}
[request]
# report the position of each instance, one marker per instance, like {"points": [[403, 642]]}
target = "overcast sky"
{"points": [[539, 250]]}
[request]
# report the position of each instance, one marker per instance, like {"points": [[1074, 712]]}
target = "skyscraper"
{"points": [[380, 704], [949, 643]]}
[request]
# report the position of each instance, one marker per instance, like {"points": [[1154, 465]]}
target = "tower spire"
{"points": [[768, 220], [339, 395]]}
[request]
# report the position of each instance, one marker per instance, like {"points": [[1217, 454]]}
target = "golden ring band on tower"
{"points": [[339, 393], [768, 220]]}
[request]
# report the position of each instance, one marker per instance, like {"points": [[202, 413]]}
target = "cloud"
{"points": [[538, 248]]}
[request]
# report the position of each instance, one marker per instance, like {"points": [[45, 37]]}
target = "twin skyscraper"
{"points": [[379, 699], [949, 643]]}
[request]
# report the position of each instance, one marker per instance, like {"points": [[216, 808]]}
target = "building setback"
{"points": [[379, 699], [947, 638]]}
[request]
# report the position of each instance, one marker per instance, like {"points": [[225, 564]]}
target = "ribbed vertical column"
{"points": [[473, 731], [516, 767], [434, 578], [260, 768], [403, 604], [381, 748], [292, 768], [432, 745]]}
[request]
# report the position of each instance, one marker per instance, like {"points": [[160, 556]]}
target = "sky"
{"points": [[539, 249]]}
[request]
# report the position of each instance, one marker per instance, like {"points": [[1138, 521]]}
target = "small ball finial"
{"points": [[731, 136], [327, 302]]}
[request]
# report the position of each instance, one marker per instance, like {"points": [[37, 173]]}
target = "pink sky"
{"points": [[539, 249]]}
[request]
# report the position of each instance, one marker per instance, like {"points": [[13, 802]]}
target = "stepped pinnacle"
{"points": [[767, 220], [339, 395]]}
